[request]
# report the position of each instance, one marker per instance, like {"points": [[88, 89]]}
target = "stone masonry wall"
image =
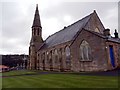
{"points": [[98, 61]]}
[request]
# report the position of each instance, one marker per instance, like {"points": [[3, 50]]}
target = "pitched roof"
{"points": [[112, 39], [70, 33], [66, 34]]}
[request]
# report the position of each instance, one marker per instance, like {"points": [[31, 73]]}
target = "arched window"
{"points": [[56, 55], [43, 56], [50, 54], [38, 31], [43, 60], [60, 53], [85, 51], [67, 52], [34, 31], [47, 54]]}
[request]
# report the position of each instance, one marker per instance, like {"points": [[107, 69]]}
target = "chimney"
{"points": [[116, 34], [107, 32]]}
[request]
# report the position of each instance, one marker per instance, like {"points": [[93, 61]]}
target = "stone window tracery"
{"points": [[56, 55], [67, 52], [85, 51]]}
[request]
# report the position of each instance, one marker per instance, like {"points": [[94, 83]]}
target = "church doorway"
{"points": [[112, 58]]}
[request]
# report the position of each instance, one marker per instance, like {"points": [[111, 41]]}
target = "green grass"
{"points": [[0, 81], [58, 81], [19, 72]]}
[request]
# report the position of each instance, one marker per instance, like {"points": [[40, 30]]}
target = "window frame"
{"points": [[67, 55], [56, 56], [84, 44]]}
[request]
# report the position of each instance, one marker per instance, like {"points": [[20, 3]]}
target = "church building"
{"points": [[85, 45]]}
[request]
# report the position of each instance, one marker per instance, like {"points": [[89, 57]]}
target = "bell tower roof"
{"points": [[36, 21]]}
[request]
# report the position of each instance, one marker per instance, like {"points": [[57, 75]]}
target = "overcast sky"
{"points": [[16, 18]]}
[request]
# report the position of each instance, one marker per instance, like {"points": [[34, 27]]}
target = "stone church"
{"points": [[85, 45]]}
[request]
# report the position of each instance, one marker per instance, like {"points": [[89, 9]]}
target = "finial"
{"points": [[37, 6], [116, 34], [94, 11]]}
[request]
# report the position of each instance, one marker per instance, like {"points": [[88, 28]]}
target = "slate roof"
{"points": [[66, 34], [112, 39], [69, 33], [36, 22]]}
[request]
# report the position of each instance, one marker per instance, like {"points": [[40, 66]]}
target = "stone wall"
{"points": [[94, 23], [48, 60], [100, 60], [116, 47], [98, 53]]}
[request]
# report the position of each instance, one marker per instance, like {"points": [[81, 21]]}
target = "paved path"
{"points": [[107, 73]]}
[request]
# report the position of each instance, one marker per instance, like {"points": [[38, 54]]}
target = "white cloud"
{"points": [[67, 18], [111, 19], [17, 18], [49, 26]]}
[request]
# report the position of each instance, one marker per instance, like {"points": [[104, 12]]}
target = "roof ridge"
{"points": [[69, 25], [81, 19], [90, 17], [98, 34]]}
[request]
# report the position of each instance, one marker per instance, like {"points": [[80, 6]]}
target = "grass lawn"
{"points": [[57, 80], [18, 72]]}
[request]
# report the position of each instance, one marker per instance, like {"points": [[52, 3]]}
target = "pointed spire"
{"points": [[36, 22]]}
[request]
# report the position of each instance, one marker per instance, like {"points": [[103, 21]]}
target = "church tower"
{"points": [[36, 40]]}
